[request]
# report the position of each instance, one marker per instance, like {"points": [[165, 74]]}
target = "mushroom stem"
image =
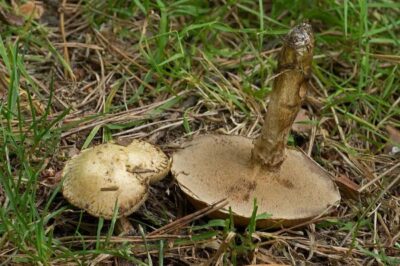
{"points": [[289, 89], [123, 227]]}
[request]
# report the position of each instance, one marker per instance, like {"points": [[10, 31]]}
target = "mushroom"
{"points": [[111, 177], [148, 160], [286, 183]]}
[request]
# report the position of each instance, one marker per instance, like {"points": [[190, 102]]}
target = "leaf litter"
{"points": [[116, 85]]}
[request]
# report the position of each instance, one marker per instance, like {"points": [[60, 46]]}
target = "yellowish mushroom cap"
{"points": [[148, 160], [109, 175]]}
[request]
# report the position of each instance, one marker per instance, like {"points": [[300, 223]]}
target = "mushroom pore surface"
{"points": [[213, 167]]}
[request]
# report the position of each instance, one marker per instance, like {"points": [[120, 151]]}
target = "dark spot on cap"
{"points": [[286, 183]]}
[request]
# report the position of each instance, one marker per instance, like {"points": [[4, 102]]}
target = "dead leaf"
{"points": [[51, 178], [347, 187], [301, 124], [11, 19], [393, 145], [31, 10]]}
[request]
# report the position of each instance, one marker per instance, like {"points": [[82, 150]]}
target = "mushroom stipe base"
{"points": [[212, 167]]}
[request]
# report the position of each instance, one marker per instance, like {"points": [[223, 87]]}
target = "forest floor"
{"points": [[74, 74]]}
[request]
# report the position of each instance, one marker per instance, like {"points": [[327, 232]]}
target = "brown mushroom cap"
{"points": [[109, 174], [213, 167]]}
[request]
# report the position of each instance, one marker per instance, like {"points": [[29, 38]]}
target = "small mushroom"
{"points": [[286, 183], [148, 160], [110, 176]]}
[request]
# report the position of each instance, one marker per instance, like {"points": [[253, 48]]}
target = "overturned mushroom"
{"points": [[110, 177], [286, 183]]}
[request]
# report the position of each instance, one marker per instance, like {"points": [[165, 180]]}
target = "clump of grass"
{"points": [[164, 70], [27, 144]]}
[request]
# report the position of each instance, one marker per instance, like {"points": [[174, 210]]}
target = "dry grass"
{"points": [[89, 72]]}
